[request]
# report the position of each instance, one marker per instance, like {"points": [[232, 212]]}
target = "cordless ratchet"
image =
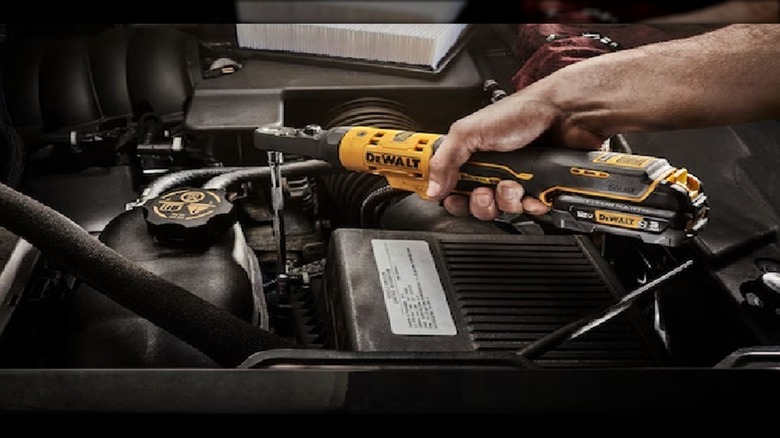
{"points": [[624, 194]]}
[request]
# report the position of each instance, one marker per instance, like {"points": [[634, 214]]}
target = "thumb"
{"points": [[444, 166], [504, 126]]}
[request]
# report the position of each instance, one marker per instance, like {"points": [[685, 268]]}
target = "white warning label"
{"points": [[414, 296]]}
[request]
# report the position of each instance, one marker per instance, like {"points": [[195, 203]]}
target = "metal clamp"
{"points": [[613, 45]]}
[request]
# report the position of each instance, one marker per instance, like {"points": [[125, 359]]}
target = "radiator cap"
{"points": [[189, 216]]}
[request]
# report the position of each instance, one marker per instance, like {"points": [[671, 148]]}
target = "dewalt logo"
{"points": [[393, 160], [618, 219]]}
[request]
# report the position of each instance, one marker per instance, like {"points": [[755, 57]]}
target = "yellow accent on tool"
{"points": [[574, 183]]}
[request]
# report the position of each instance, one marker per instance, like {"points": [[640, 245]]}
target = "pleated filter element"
{"points": [[325, 11], [412, 44]]}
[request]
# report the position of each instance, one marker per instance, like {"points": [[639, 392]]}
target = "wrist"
{"points": [[580, 96], [610, 94]]}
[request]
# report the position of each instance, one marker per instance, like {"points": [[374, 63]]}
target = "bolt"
{"points": [[754, 300], [490, 85], [312, 129]]}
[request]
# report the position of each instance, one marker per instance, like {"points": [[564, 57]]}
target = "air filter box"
{"points": [[421, 291]]}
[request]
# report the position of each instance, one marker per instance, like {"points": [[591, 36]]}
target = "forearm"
{"points": [[726, 76], [735, 11]]}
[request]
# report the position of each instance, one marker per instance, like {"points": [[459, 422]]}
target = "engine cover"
{"points": [[421, 291]]}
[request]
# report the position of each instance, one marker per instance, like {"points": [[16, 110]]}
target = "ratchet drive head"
{"points": [[310, 141]]}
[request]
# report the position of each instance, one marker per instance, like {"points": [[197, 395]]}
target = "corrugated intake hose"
{"points": [[225, 338], [349, 191]]}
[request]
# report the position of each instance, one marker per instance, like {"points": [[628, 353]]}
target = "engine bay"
{"points": [[363, 298]]}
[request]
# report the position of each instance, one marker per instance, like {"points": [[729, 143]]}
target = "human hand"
{"points": [[507, 125], [669, 85]]}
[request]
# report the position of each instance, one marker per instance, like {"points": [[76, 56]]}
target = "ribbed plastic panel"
{"points": [[511, 293], [503, 292], [307, 318]]}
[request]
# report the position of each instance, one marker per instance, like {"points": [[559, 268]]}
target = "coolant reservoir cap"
{"points": [[189, 216]]}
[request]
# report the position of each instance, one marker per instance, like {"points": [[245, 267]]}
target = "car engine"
{"points": [[148, 247]]}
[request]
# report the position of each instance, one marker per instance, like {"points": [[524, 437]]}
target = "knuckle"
{"points": [[434, 164], [459, 128]]}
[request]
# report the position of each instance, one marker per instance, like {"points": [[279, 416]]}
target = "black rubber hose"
{"points": [[220, 335], [348, 191], [11, 155], [296, 168], [378, 197], [184, 177]]}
